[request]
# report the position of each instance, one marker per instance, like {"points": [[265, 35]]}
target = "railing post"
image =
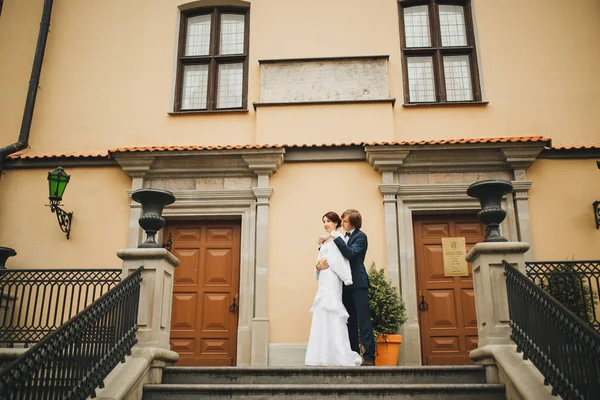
{"points": [[491, 300], [156, 293]]}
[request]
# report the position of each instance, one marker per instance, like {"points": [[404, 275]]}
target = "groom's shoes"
{"points": [[367, 363]]}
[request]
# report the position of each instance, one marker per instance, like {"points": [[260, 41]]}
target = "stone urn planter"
{"points": [[153, 201], [6, 252], [490, 193]]}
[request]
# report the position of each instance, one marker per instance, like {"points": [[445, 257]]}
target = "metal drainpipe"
{"points": [[23, 140]]}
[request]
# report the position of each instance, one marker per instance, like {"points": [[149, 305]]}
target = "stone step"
{"points": [[315, 392], [324, 375]]}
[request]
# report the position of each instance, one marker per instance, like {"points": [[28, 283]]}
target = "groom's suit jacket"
{"points": [[355, 251]]}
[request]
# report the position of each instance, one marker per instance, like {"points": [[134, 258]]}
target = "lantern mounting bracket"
{"points": [[64, 218]]}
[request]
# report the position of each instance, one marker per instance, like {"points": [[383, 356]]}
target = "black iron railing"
{"points": [[575, 284], [564, 348], [34, 303], [72, 361]]}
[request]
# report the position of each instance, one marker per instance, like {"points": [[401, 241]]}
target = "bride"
{"points": [[328, 343]]}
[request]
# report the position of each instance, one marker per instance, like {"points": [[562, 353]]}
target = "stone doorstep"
{"points": [[324, 375], [360, 391]]}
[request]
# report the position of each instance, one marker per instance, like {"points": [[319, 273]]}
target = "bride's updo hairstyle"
{"points": [[333, 217]]}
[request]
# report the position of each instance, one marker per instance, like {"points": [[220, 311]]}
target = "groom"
{"points": [[356, 296]]}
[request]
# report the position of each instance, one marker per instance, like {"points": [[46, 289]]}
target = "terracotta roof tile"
{"points": [[575, 147], [38, 156], [270, 146], [139, 149]]}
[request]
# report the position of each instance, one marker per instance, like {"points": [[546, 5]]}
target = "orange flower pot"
{"points": [[388, 347]]}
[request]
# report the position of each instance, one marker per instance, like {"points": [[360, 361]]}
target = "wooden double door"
{"points": [[204, 318], [447, 317]]}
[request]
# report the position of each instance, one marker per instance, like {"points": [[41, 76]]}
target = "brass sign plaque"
{"points": [[454, 251]]}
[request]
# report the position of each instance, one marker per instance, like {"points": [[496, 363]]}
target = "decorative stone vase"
{"points": [[490, 193], [5, 252], [153, 201]]}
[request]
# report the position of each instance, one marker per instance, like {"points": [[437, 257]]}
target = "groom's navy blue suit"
{"points": [[356, 296]]}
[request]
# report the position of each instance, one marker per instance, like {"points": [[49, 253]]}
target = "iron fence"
{"points": [[34, 303], [72, 361], [575, 284], [564, 348]]}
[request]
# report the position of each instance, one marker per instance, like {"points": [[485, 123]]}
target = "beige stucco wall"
{"points": [[100, 207], [107, 78], [325, 124], [560, 202], [302, 194]]}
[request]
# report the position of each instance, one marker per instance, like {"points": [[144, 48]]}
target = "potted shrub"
{"points": [[388, 313], [566, 286]]}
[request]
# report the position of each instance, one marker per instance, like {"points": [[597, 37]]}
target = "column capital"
{"points": [[389, 188], [262, 194]]}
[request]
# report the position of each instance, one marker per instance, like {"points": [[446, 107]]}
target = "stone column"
{"points": [[521, 193], [156, 293], [264, 165], [491, 300], [387, 161], [260, 322]]}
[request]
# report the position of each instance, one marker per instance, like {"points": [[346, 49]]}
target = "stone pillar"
{"points": [[389, 191], [387, 161], [491, 300], [156, 293], [264, 165], [260, 322], [521, 193]]}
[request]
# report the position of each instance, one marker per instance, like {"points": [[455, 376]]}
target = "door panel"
{"points": [[449, 324], [203, 323]]}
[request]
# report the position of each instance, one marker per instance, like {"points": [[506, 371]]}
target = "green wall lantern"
{"points": [[57, 183]]}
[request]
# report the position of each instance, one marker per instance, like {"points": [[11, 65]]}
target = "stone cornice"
{"points": [[468, 157], [206, 163], [385, 158], [136, 166], [521, 157], [265, 163], [182, 196]]}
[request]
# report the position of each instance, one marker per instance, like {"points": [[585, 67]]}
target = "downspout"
{"points": [[34, 81]]}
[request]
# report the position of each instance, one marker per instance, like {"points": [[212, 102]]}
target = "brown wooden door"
{"points": [[449, 325], [203, 322]]}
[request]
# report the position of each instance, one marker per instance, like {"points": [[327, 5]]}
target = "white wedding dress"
{"points": [[328, 343]]}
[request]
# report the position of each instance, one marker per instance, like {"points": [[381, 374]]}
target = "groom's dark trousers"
{"points": [[356, 296]]}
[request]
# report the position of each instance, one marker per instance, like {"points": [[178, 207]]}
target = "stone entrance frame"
{"points": [[433, 178], [224, 184]]}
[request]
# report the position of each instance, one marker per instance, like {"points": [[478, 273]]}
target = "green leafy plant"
{"points": [[388, 311], [566, 286]]}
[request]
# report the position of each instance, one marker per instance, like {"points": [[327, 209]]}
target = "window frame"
{"points": [[213, 60], [436, 51]]}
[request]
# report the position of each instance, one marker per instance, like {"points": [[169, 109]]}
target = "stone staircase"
{"points": [[444, 382]]}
